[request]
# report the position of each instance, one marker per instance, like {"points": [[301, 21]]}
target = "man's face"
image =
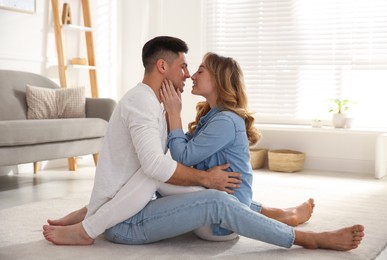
{"points": [[178, 72]]}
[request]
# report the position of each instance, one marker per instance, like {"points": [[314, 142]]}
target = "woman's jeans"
{"points": [[178, 214]]}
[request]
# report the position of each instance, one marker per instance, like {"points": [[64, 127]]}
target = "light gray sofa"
{"points": [[25, 140]]}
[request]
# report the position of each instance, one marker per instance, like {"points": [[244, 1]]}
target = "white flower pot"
{"points": [[338, 120]]}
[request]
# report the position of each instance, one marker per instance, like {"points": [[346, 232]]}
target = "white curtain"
{"points": [[297, 54]]}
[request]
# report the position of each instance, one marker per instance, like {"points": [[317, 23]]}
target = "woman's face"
{"points": [[203, 85]]}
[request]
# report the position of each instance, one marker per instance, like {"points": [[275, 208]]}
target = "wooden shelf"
{"points": [[87, 29], [75, 66], [72, 27]]}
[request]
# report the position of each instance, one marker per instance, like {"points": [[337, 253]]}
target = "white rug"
{"points": [[340, 201]]}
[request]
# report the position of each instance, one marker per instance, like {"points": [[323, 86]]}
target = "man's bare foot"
{"points": [[343, 239], [70, 219], [67, 235], [293, 216]]}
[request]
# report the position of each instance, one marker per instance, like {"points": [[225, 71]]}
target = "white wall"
{"points": [[330, 149], [23, 39]]}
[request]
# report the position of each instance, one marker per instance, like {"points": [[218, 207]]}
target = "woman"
{"points": [[222, 131]]}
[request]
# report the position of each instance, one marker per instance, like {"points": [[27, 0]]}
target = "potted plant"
{"points": [[339, 106]]}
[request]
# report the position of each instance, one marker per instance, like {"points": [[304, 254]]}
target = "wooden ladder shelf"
{"points": [[62, 64]]}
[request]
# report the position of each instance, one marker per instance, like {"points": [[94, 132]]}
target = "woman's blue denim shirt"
{"points": [[219, 138]]}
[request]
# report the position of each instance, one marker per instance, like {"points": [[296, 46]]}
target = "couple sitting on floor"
{"points": [[205, 186]]}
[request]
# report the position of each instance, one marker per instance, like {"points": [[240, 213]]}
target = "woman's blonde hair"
{"points": [[230, 85]]}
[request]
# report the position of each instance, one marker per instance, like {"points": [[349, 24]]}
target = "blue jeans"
{"points": [[178, 214]]}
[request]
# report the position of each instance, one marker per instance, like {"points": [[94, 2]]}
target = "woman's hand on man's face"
{"points": [[170, 98]]}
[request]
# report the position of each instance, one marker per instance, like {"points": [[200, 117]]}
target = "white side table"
{"points": [[381, 156]]}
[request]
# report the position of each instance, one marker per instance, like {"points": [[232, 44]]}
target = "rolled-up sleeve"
{"points": [[217, 134]]}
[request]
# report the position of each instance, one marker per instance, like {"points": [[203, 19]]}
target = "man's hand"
{"points": [[219, 179], [214, 178]]}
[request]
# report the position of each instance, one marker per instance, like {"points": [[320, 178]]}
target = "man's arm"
{"points": [[214, 178]]}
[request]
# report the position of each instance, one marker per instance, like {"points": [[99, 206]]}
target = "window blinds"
{"points": [[297, 54]]}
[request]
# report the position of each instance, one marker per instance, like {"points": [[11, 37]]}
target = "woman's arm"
{"points": [[172, 104], [216, 135]]}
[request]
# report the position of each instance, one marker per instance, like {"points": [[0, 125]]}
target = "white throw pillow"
{"points": [[46, 103]]}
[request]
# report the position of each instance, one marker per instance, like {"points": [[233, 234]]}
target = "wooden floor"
{"points": [[26, 187]]}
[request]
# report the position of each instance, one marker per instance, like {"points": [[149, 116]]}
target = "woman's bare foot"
{"points": [[67, 235], [343, 239], [291, 216], [70, 219]]}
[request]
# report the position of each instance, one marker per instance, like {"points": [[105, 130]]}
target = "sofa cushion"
{"points": [[27, 132], [45, 103]]}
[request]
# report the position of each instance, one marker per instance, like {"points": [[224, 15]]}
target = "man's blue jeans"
{"points": [[178, 214]]}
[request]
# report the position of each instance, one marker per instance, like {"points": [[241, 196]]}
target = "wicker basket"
{"points": [[257, 157], [286, 160]]}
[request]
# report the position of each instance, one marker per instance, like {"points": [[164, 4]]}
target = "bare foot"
{"points": [[342, 240], [293, 216], [300, 214], [70, 219], [67, 235]]}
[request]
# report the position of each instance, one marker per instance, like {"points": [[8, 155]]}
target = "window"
{"points": [[297, 54]]}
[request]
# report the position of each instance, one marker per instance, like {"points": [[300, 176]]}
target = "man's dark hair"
{"points": [[162, 47]]}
